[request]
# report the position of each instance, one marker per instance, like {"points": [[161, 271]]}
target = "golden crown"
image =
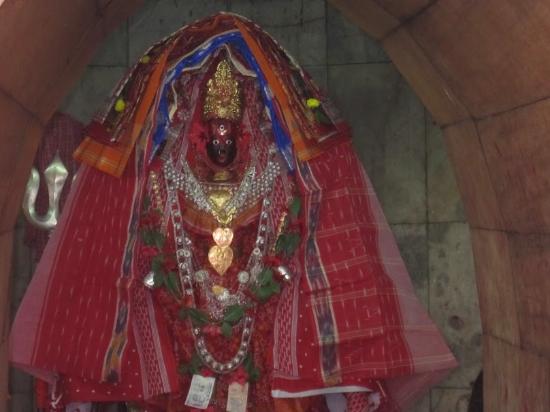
{"points": [[223, 100]]}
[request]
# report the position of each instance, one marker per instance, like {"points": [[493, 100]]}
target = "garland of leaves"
{"points": [[164, 268]]}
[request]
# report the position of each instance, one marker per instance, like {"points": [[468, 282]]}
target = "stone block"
{"points": [[424, 78], [22, 256], [465, 41], [423, 405], [21, 271], [453, 298], [444, 203], [319, 75], [21, 402], [21, 382], [518, 159], [413, 245], [157, 19], [368, 16], [6, 244], [299, 27], [347, 43], [363, 93], [279, 13], [495, 283], [388, 127], [92, 92], [472, 174], [450, 400], [403, 9], [114, 49]]}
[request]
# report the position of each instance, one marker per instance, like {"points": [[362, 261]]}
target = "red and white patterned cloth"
{"points": [[349, 323], [351, 318]]}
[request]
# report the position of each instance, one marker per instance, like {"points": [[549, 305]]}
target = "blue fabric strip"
{"points": [[235, 39]]}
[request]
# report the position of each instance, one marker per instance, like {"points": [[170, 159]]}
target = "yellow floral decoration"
{"points": [[313, 103], [120, 105]]}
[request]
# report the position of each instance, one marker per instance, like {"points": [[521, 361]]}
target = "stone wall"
{"points": [[401, 148]]}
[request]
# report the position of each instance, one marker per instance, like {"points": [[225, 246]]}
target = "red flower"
{"points": [[170, 264], [188, 301], [296, 225], [240, 376], [206, 372], [212, 330], [272, 260], [149, 251], [150, 219], [156, 164]]}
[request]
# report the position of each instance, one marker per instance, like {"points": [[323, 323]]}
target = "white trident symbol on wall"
{"points": [[56, 174]]}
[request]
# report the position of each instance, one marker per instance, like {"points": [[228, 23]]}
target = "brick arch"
{"points": [[44, 48], [481, 69]]}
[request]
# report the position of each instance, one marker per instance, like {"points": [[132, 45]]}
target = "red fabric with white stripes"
{"points": [[359, 290]]}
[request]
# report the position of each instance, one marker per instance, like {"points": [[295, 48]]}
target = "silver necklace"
{"points": [[188, 275], [249, 191]]}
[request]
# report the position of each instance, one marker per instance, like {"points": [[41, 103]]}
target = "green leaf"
{"points": [[263, 293], [192, 367], [183, 314], [287, 243], [227, 329], [158, 280], [275, 288], [251, 369], [156, 264], [293, 241], [158, 239], [254, 375], [295, 206], [233, 314], [280, 244], [198, 317], [248, 362], [147, 237], [152, 238], [265, 276], [146, 203], [321, 116], [171, 282]]}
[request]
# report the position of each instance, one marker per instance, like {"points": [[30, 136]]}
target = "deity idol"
{"points": [[223, 249]]}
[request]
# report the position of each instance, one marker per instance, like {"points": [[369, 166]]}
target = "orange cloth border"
{"points": [[112, 159], [296, 135]]}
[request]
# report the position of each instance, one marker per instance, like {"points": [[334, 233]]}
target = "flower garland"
{"points": [[164, 274]]}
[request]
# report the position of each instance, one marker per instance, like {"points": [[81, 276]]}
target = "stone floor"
{"points": [[401, 148]]}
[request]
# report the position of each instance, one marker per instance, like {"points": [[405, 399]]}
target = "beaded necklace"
{"points": [[249, 191], [189, 276]]}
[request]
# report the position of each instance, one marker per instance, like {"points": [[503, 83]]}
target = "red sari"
{"points": [[349, 322]]}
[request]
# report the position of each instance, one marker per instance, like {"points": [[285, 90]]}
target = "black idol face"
{"points": [[221, 146]]}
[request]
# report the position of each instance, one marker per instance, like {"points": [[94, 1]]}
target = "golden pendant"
{"points": [[218, 290], [222, 236], [219, 197], [220, 255]]}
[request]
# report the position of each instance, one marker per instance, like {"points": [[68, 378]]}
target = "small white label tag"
{"points": [[78, 407], [200, 391], [237, 397]]}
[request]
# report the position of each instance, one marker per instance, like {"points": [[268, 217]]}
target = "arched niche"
{"points": [[480, 69]]}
